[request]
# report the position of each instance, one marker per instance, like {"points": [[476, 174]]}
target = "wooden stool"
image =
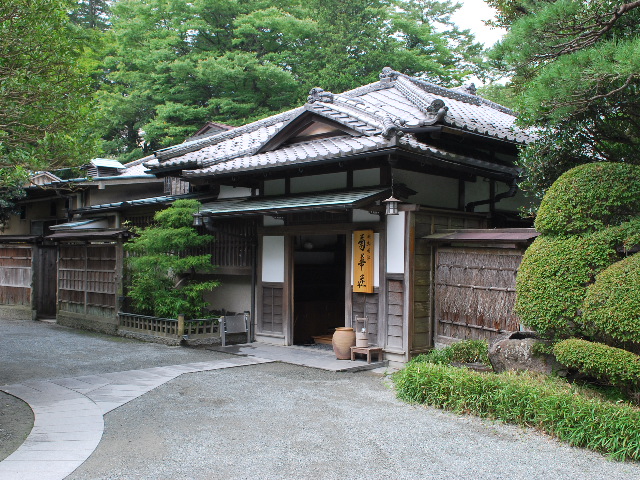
{"points": [[366, 350]]}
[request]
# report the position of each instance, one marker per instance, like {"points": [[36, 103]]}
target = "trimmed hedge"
{"points": [[552, 279], [612, 303], [614, 365], [590, 197], [528, 400]]}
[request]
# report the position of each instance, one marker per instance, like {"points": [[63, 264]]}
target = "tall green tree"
{"points": [[173, 65], [44, 94], [91, 14], [163, 275], [576, 72]]}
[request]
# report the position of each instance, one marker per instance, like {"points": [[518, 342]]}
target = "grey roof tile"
{"points": [[402, 99], [312, 151]]}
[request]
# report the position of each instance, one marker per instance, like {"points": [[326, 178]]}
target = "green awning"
{"points": [[278, 205]]}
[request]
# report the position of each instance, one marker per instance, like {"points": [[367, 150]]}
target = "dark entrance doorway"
{"points": [[319, 283]]}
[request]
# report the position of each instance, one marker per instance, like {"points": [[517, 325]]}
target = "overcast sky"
{"points": [[471, 15]]}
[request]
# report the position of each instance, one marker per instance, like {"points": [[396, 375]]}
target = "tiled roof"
{"points": [[140, 202], [135, 168], [409, 142], [373, 117], [305, 152], [106, 162]]}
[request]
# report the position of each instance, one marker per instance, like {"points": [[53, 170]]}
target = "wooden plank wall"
{"points": [[271, 318], [233, 245], [426, 223], [475, 292], [16, 274], [87, 279], [366, 305], [395, 308], [45, 281]]}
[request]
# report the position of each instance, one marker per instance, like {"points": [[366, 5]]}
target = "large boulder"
{"points": [[515, 351]]}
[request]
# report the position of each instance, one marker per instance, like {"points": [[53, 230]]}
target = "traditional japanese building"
{"points": [[322, 213]]}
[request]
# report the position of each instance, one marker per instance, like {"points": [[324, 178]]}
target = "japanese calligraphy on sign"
{"points": [[363, 261]]}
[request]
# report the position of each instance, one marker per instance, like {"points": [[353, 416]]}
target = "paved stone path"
{"points": [[68, 414], [303, 356]]}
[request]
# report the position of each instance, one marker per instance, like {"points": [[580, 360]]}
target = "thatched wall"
{"points": [[475, 292]]}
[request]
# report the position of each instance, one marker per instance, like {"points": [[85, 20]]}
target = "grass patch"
{"points": [[465, 351], [567, 411]]}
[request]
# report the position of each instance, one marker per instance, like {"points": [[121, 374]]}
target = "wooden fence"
{"points": [[88, 279], [171, 328], [15, 274]]}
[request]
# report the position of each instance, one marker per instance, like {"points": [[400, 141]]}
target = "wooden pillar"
{"points": [[85, 276], [180, 325]]}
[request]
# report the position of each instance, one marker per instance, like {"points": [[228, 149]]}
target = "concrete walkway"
{"points": [[68, 414], [297, 355]]}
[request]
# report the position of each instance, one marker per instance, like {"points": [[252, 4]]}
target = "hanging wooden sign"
{"points": [[363, 261]]}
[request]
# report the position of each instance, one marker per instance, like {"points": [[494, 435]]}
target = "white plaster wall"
{"points": [[233, 294], [16, 226], [314, 183], [274, 187], [365, 216], [34, 211], [479, 190], [376, 260], [433, 191], [119, 193], [366, 178], [233, 192], [269, 221], [514, 203], [395, 243], [273, 259]]}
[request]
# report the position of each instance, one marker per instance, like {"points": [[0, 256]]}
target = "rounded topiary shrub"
{"points": [[612, 303], [590, 197], [552, 280], [613, 365]]}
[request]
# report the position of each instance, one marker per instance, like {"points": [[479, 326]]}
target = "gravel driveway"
{"points": [[280, 421]]}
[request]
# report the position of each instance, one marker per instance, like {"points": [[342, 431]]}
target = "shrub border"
{"points": [[612, 429]]}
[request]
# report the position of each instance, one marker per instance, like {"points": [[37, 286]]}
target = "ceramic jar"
{"points": [[343, 339]]}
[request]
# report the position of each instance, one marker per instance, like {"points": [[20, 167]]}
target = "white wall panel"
{"points": [[273, 259]]}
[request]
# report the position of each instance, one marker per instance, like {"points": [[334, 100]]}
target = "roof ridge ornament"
{"points": [[317, 94], [388, 75], [436, 112], [469, 88], [391, 127]]}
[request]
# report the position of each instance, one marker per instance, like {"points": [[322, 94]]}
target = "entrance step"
{"points": [[299, 355]]}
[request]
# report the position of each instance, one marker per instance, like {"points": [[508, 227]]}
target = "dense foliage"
{"points": [[465, 351], [576, 72], [612, 303], [552, 405], [44, 93], [589, 198], [162, 273], [166, 68], [613, 365], [552, 279], [557, 268], [578, 280]]}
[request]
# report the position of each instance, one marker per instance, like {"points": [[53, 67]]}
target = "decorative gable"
{"points": [[307, 127]]}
